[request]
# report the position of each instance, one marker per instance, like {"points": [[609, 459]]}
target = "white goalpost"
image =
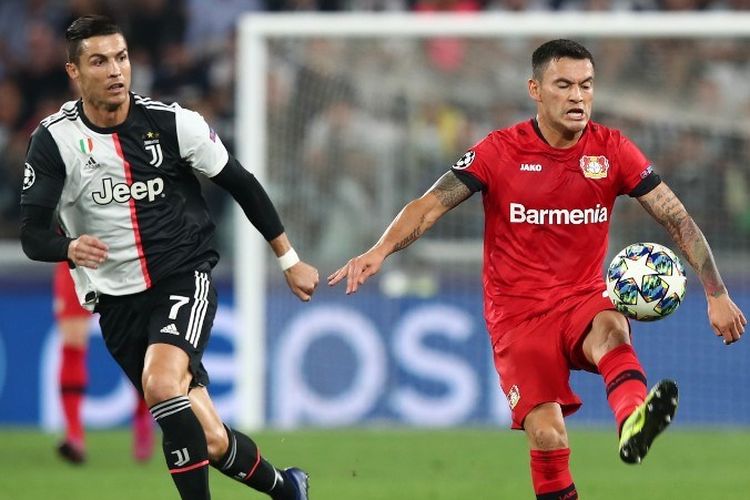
{"points": [[412, 100]]}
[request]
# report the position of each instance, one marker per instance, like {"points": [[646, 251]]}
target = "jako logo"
{"points": [[122, 193], [531, 167], [520, 214]]}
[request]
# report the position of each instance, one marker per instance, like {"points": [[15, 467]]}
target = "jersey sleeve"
{"points": [[473, 168], [634, 166], [199, 145], [44, 171]]}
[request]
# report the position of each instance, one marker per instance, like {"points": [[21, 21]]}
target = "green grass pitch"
{"points": [[387, 464]]}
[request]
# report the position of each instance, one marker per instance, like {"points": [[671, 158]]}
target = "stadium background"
{"points": [[349, 143]]}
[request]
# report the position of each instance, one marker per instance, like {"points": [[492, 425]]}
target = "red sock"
{"points": [[73, 379], [625, 381], [141, 410], [550, 475], [143, 431]]}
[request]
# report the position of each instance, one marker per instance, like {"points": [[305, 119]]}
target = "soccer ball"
{"points": [[646, 281]]}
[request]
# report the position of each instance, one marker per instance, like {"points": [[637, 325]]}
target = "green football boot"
{"points": [[648, 420]]}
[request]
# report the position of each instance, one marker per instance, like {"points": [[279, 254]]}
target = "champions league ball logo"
{"points": [[465, 161], [28, 176]]}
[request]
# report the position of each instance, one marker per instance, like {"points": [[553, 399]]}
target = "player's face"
{"points": [[564, 97], [102, 72]]}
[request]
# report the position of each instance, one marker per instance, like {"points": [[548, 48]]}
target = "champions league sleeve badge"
{"points": [[594, 167], [29, 176], [465, 161]]}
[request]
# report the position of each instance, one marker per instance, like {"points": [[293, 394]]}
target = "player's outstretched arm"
{"points": [[727, 320], [301, 277], [414, 219]]}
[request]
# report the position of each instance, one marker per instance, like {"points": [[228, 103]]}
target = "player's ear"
{"points": [[534, 90], [72, 70]]}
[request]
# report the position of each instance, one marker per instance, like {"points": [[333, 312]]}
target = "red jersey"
{"points": [[547, 213]]}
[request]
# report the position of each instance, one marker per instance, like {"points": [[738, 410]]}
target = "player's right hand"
{"points": [[87, 251], [302, 279], [357, 271]]}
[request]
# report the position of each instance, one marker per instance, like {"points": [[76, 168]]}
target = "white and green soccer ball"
{"points": [[646, 281]]}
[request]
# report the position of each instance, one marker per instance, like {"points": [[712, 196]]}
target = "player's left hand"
{"points": [[302, 279], [726, 318]]}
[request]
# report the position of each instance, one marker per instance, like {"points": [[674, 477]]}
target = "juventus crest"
{"points": [[153, 146]]}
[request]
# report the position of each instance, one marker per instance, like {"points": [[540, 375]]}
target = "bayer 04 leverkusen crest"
{"points": [[594, 167]]}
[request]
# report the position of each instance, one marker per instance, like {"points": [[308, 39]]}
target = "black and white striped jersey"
{"points": [[133, 186]]}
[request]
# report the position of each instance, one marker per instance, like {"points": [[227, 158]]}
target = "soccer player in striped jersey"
{"points": [[120, 169], [548, 186]]}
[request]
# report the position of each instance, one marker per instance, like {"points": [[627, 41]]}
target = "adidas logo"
{"points": [[91, 163], [170, 328]]}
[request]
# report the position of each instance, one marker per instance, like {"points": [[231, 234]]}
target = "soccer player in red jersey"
{"points": [[73, 325], [548, 187]]}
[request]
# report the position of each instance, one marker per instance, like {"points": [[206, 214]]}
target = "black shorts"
{"points": [[178, 310]]}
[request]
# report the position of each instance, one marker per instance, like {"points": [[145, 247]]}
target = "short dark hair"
{"points": [[85, 27], [554, 50]]}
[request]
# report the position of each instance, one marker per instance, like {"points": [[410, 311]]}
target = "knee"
{"points": [[158, 387], [549, 438], [217, 442], [545, 427], [165, 373], [609, 330], [612, 337]]}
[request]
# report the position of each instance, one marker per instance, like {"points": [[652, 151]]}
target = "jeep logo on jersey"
{"points": [[122, 193]]}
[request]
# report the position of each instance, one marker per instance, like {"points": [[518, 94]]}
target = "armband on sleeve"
{"points": [[646, 185], [469, 180]]}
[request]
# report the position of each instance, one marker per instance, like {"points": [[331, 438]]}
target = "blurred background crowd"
{"points": [[345, 118]]}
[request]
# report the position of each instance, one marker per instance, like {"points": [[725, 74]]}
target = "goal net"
{"points": [[345, 118]]}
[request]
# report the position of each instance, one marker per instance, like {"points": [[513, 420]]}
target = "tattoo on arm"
{"points": [[666, 208], [411, 238], [450, 190]]}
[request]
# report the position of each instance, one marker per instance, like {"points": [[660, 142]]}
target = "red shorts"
{"points": [[64, 299], [534, 367]]}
